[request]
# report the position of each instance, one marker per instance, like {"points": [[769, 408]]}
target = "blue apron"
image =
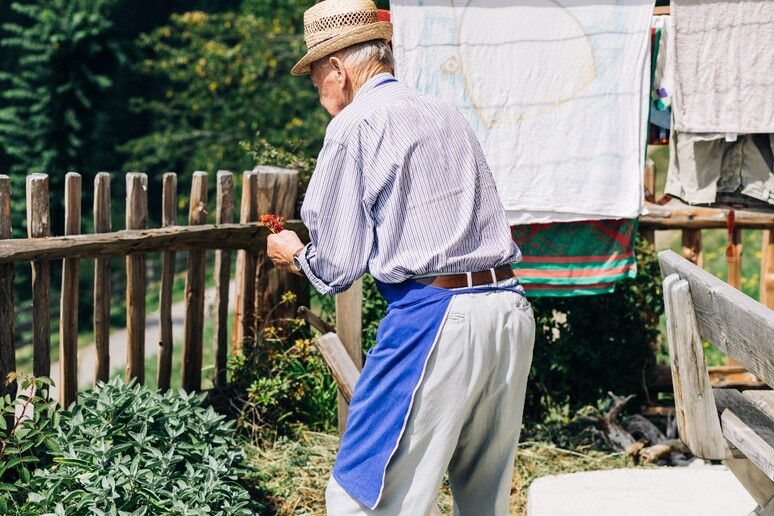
{"points": [[384, 393]]}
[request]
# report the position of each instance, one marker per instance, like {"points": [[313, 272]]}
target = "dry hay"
{"points": [[292, 475]]}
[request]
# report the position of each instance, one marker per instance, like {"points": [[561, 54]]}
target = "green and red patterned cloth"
{"points": [[575, 258]]}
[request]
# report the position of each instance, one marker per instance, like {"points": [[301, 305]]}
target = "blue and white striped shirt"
{"points": [[401, 189]]}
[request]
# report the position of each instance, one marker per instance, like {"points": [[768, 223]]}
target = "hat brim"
{"points": [[378, 30]]}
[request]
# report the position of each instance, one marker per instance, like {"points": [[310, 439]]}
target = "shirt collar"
{"points": [[371, 84]]}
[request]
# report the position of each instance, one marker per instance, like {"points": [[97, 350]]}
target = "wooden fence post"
{"points": [[102, 224], [349, 328], [244, 315], [166, 340], [194, 291], [38, 226], [224, 215], [136, 218], [767, 268], [649, 182], [7, 345], [68, 318], [277, 193], [692, 246]]}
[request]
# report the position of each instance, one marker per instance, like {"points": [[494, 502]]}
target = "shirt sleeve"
{"points": [[340, 226]]}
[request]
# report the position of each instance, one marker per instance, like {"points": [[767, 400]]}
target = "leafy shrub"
{"points": [[586, 346], [125, 448], [25, 442], [280, 383]]}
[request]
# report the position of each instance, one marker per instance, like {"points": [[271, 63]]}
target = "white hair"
{"points": [[360, 54]]}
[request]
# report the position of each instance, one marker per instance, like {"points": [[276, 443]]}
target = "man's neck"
{"points": [[361, 76]]}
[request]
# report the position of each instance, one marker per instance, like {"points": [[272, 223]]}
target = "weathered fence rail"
{"points": [[42, 250]]}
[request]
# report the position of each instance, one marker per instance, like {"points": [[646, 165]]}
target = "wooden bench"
{"points": [[726, 424]]}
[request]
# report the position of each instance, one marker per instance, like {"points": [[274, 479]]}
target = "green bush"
{"points": [[127, 449], [25, 442], [587, 346], [280, 383]]}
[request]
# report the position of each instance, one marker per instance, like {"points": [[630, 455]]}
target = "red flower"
{"points": [[273, 223]]}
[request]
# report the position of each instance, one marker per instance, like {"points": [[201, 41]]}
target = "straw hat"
{"points": [[332, 25]]}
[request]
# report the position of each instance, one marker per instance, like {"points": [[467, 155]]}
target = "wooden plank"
{"points": [[686, 217], [349, 327], [68, 320], [224, 214], [760, 487], [126, 243], [763, 400], [193, 326], [735, 323], [244, 312], [697, 420], [166, 340], [39, 226], [343, 369], [7, 319], [136, 218], [102, 224], [747, 428], [277, 192]]}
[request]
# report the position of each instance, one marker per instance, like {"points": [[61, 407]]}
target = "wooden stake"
{"points": [[767, 268], [136, 218], [692, 246], [102, 224], [68, 310], [277, 193], [224, 215], [38, 226], [194, 291], [244, 318], [166, 340], [7, 319], [349, 327]]}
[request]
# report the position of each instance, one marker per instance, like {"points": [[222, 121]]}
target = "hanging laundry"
{"points": [[575, 258], [557, 93], [661, 82], [724, 58], [722, 174]]}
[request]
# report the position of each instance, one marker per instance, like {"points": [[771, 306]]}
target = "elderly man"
{"points": [[402, 190]]}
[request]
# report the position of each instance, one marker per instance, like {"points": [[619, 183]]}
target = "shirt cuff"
{"points": [[306, 254]]}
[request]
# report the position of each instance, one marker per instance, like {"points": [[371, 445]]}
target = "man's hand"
{"points": [[281, 248]]}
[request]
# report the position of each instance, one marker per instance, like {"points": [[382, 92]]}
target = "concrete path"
{"points": [[684, 491], [87, 355]]}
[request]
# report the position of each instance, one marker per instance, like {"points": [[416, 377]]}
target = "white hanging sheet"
{"points": [[556, 91]]}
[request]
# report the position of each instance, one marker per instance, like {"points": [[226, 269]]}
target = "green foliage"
{"points": [[50, 98], [229, 77], [124, 448], [25, 442], [280, 383], [585, 346]]}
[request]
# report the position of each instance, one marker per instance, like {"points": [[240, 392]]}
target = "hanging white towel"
{"points": [[724, 57], [556, 90]]}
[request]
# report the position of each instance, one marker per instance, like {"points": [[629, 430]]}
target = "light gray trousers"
{"points": [[466, 415]]}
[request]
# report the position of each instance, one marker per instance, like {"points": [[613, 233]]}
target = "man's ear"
{"points": [[339, 69]]}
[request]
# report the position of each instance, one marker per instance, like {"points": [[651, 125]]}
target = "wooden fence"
{"points": [[266, 189]]}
